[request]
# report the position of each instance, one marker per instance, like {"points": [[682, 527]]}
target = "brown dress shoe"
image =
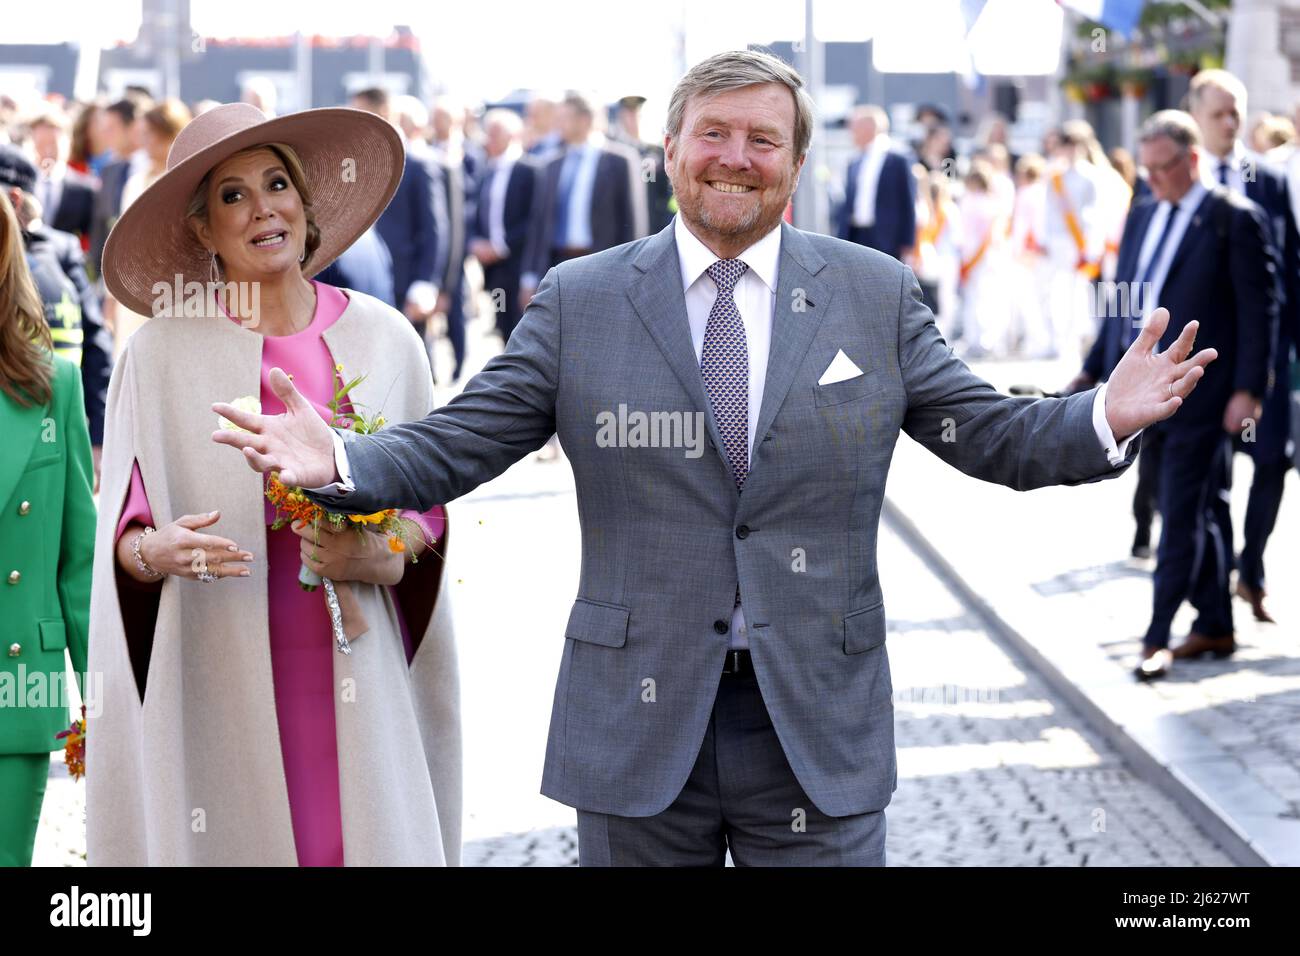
{"points": [[1198, 644], [1255, 598], [1156, 663]]}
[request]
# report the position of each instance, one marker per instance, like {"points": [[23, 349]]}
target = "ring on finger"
{"points": [[207, 577], [1171, 389]]}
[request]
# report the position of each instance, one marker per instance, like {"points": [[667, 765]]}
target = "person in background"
{"points": [[587, 196], [542, 137], [1074, 237], [626, 129], [1029, 270], [67, 197], [1204, 254], [69, 301], [938, 247], [502, 215], [460, 169], [47, 533], [879, 208], [120, 136], [159, 127], [82, 149], [1217, 100], [985, 299], [414, 225]]}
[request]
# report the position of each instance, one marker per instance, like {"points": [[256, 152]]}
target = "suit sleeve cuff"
{"points": [[1116, 452], [343, 487]]}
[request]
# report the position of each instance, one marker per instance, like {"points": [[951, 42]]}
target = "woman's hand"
{"points": [[348, 556], [182, 550]]}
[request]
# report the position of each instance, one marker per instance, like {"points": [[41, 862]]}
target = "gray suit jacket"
{"points": [[666, 537]]}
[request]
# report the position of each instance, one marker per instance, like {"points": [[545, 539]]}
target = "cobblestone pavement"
{"points": [[994, 769]]}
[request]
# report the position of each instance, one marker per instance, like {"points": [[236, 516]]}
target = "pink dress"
{"points": [[302, 643]]}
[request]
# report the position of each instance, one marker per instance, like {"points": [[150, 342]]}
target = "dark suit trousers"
{"points": [[1261, 515], [1195, 552], [1147, 494], [740, 795], [456, 318], [501, 280], [866, 236]]}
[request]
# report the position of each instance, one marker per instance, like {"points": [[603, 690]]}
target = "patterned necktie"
{"points": [[724, 364]]}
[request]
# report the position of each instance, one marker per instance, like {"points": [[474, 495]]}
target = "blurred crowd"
{"points": [[488, 201]]}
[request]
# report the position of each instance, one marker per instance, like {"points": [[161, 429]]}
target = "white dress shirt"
{"points": [[864, 200], [501, 168], [755, 296], [1239, 160], [1187, 207]]}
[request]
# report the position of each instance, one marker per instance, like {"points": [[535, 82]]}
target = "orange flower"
{"points": [[395, 545]]}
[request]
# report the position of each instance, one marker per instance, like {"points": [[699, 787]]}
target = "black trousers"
{"points": [[1147, 495], [1261, 515], [501, 280], [1194, 557]]}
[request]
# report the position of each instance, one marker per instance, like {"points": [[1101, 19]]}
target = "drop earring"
{"points": [[214, 276], [303, 257]]}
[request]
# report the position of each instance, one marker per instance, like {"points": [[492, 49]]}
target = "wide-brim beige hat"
{"points": [[353, 163]]}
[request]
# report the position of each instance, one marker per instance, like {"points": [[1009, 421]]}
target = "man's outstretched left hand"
{"points": [[1148, 386]]}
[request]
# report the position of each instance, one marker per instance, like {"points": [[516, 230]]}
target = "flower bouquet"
{"points": [[292, 504], [74, 746]]}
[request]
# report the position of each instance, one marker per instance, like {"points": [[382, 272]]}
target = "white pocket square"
{"points": [[840, 369]]}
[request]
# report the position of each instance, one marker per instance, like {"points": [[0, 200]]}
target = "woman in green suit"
{"points": [[47, 537]]}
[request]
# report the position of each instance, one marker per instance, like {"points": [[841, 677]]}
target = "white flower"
{"points": [[249, 403]]}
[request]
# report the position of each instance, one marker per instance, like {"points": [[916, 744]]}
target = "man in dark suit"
{"points": [[1217, 101], [502, 215], [584, 201], [414, 225], [120, 130], [67, 197], [626, 129], [879, 208], [365, 266], [1203, 254]]}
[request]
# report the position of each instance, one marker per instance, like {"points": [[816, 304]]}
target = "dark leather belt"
{"points": [[737, 664]]}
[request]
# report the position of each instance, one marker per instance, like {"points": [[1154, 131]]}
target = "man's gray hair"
{"points": [[732, 71], [1173, 124]]}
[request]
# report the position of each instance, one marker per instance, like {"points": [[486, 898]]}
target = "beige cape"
{"points": [[194, 774]]}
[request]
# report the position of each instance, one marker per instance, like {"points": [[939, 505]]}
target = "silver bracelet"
{"points": [[135, 552]]}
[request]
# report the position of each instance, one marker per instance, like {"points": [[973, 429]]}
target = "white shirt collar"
{"points": [[1192, 198], [695, 257], [880, 144]]}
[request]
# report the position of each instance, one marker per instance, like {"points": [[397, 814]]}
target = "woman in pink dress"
{"points": [[258, 203]]}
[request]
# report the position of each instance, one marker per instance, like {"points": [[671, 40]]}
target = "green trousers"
{"points": [[22, 789]]}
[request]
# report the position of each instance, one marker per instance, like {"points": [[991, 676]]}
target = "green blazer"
{"points": [[47, 542]]}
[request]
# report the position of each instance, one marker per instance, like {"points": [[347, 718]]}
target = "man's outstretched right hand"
{"points": [[298, 444]]}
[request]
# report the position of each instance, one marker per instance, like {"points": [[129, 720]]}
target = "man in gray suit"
{"points": [[724, 683]]}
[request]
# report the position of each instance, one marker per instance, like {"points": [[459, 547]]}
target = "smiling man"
{"points": [[724, 683]]}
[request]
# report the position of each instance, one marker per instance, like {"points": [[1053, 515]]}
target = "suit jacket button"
{"points": [[742, 532], [15, 649], [25, 508], [720, 627], [14, 577]]}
